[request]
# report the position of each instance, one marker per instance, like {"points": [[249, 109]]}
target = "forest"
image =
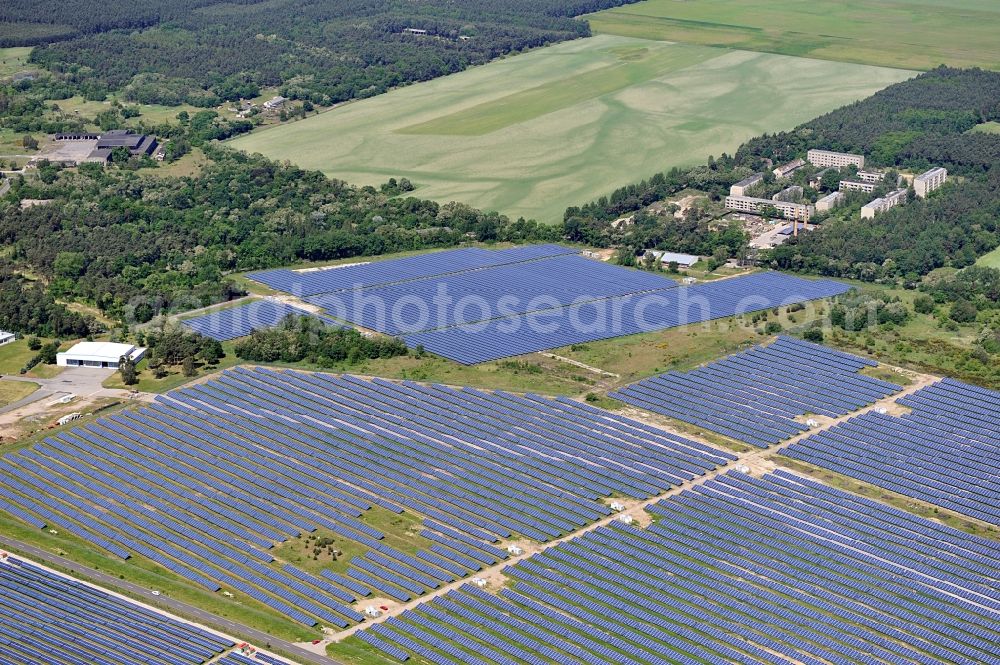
{"points": [[206, 51], [135, 245]]}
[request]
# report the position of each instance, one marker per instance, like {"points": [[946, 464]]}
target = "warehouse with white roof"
{"points": [[98, 354]]}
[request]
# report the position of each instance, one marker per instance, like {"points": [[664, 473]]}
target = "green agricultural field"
{"points": [[532, 134], [915, 34]]}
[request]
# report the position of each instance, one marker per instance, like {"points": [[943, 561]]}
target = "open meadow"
{"points": [[917, 34], [533, 134]]}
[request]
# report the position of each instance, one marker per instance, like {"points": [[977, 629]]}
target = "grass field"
{"points": [[12, 391], [532, 134], [916, 34], [990, 260], [987, 128]]}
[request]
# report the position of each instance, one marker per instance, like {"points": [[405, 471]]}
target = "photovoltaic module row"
{"points": [[945, 451], [480, 295], [773, 570], [210, 477], [49, 619], [242, 320], [616, 317], [757, 395], [378, 273]]}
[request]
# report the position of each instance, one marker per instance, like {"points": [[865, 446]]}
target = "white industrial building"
{"points": [[98, 354], [883, 203], [855, 186], [838, 159], [6, 337], [829, 202], [682, 260], [797, 211], [740, 188], [927, 182]]}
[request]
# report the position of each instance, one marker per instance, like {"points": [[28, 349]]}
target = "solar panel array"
{"points": [[210, 477], [756, 395], [474, 305], [472, 296], [774, 570], [944, 451], [379, 273], [616, 317], [49, 619], [242, 320]]}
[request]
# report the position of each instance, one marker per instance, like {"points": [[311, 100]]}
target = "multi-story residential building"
{"points": [[740, 188], [853, 186], [927, 182], [883, 203], [788, 194], [838, 159], [796, 211], [786, 170], [829, 202], [871, 176]]}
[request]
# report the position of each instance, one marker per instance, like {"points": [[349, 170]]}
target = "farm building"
{"points": [[927, 182], [98, 354], [838, 159], [6, 337], [137, 144]]}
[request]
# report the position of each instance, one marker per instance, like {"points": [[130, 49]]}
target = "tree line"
{"points": [[206, 51]]}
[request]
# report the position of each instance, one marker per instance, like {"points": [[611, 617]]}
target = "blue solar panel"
{"points": [[761, 395], [242, 320], [618, 316], [779, 569], [208, 479], [48, 618], [944, 451]]}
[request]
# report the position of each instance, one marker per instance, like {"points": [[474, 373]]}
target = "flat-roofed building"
{"points": [[740, 188], [838, 159], [927, 182], [98, 354], [797, 211], [682, 260], [788, 169], [871, 176], [855, 186], [829, 202], [789, 194], [883, 203]]}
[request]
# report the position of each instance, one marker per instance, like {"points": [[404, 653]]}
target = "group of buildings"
{"points": [[788, 202], [81, 147]]}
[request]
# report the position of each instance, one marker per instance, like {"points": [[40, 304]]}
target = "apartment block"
{"points": [[927, 182], [838, 159]]}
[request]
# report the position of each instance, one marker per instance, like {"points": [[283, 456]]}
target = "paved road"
{"points": [[231, 628]]}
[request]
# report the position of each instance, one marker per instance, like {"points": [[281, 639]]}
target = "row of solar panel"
{"points": [[378, 273], [738, 569], [479, 295], [616, 317], [52, 620], [208, 478], [757, 395], [242, 320], [944, 451]]}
